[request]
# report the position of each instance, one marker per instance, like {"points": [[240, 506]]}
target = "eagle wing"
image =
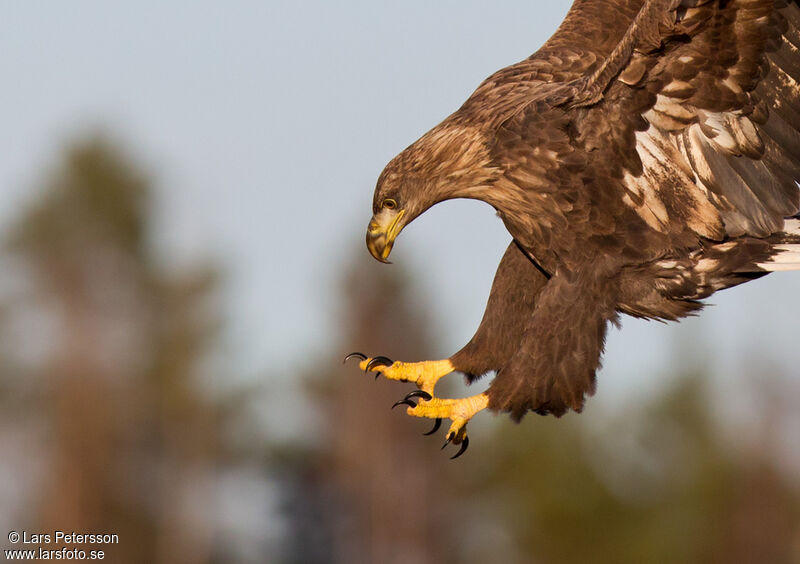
{"points": [[694, 104], [715, 114]]}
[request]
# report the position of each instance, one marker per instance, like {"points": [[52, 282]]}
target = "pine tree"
{"points": [[128, 442]]}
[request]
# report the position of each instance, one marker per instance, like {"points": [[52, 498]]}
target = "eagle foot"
{"points": [[459, 411], [424, 374]]}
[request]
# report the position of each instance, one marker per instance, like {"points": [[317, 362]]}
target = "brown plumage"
{"points": [[645, 157]]}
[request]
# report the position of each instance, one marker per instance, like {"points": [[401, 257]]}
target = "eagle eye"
{"points": [[389, 204]]}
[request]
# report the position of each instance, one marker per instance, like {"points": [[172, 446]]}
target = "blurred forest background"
{"points": [[120, 413]]}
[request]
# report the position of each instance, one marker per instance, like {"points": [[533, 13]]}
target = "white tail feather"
{"points": [[771, 267], [787, 257]]}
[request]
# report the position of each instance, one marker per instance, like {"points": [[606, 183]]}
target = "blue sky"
{"points": [[265, 126]]}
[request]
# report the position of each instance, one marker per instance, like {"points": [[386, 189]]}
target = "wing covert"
{"points": [[693, 104], [720, 104]]}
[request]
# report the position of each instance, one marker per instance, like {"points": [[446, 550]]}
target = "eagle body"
{"points": [[645, 157]]}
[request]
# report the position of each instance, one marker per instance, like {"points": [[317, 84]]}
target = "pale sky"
{"points": [[265, 126]]}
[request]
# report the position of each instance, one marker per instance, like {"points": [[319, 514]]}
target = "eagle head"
{"points": [[397, 200], [447, 162]]}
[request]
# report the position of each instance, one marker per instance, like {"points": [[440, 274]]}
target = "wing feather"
{"points": [[691, 106], [726, 96], [585, 39]]}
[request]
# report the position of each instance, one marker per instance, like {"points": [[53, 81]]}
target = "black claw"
{"points": [[418, 394], [464, 445], [436, 425], [404, 401], [378, 361], [358, 355], [447, 442]]}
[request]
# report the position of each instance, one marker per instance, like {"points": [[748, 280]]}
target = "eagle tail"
{"points": [[786, 248]]}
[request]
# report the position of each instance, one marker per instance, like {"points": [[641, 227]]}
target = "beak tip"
{"points": [[380, 258], [378, 248], [381, 234]]}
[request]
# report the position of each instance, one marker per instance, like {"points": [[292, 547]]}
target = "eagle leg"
{"points": [[459, 411], [424, 374]]}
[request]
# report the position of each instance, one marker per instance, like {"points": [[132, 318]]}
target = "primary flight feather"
{"points": [[645, 157]]}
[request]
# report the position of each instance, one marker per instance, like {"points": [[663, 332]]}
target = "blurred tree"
{"points": [[655, 484], [130, 440], [375, 489]]}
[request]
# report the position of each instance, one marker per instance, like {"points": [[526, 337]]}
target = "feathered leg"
{"points": [[554, 368]]}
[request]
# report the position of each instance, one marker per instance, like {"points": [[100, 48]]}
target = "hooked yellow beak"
{"points": [[381, 233]]}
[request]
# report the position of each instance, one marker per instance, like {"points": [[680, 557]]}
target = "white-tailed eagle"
{"points": [[644, 158]]}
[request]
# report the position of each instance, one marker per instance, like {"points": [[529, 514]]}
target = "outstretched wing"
{"points": [[693, 104], [715, 117]]}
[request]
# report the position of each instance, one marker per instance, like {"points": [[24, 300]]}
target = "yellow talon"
{"points": [[459, 411], [424, 374]]}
